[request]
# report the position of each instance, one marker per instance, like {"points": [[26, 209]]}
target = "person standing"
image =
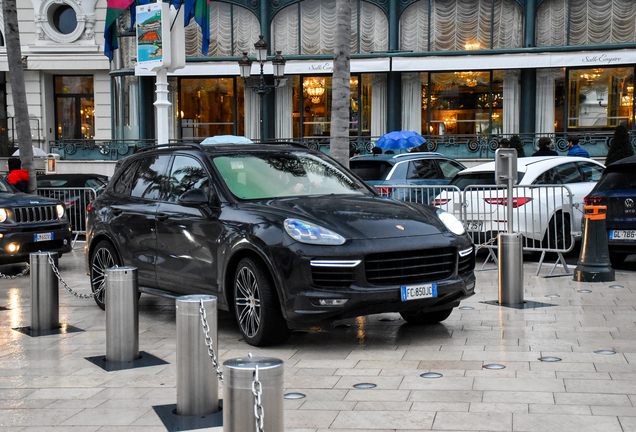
{"points": [[18, 177], [575, 149], [545, 148]]}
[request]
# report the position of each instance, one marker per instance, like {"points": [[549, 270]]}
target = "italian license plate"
{"points": [[413, 292], [622, 235], [43, 237], [473, 226]]}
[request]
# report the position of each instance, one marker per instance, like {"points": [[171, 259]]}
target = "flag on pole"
{"points": [[200, 11], [114, 8]]}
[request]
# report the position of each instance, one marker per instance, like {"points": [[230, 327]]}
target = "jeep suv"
{"points": [[283, 235], [31, 223]]}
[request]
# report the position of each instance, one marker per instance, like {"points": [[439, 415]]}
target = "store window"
{"points": [[456, 103], [312, 106], [600, 98], [211, 106], [74, 107]]}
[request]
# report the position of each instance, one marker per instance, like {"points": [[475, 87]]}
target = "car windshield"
{"points": [[618, 179], [266, 175], [370, 169], [478, 178], [5, 186]]}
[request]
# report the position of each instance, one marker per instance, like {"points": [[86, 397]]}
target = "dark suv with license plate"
{"points": [[283, 235], [31, 223]]}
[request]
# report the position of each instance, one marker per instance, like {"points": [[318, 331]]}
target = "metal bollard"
{"points": [[594, 263], [45, 295], [197, 383], [510, 268], [238, 399], [122, 315]]}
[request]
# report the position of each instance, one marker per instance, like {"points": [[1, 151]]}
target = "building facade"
{"points": [[463, 73]]}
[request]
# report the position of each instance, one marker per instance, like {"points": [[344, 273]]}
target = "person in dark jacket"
{"points": [[17, 177], [575, 149], [545, 148]]}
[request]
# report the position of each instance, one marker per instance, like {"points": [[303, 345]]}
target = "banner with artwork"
{"points": [[153, 36]]}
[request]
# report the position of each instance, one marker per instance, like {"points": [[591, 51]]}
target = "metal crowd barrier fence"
{"points": [[76, 201], [545, 215]]}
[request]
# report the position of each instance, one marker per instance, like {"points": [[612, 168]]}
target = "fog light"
{"points": [[1, 235], [332, 302], [13, 247], [65, 242]]}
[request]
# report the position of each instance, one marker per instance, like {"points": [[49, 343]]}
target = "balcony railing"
{"points": [[481, 146]]}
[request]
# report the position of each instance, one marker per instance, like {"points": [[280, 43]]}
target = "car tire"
{"points": [[617, 258], [559, 233], [103, 256], [256, 305], [422, 317]]}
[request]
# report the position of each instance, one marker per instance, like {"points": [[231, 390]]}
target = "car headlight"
{"points": [[307, 232], [3, 215], [60, 210], [451, 222]]}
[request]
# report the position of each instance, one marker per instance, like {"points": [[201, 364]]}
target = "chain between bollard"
{"points": [[257, 391], [22, 273], [69, 289], [489, 242], [208, 341]]}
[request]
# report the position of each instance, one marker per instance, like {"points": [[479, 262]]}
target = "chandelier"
{"points": [[315, 88], [628, 99]]}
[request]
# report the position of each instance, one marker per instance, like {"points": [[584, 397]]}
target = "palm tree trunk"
{"points": [[18, 90], [341, 85]]}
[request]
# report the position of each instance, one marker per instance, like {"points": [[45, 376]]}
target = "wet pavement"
{"points": [[47, 383]]}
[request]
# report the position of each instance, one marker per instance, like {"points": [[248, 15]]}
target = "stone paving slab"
{"points": [[47, 385]]}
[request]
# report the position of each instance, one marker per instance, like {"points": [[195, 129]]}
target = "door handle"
{"points": [[162, 217]]}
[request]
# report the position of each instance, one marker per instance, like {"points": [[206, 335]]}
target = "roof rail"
{"points": [[417, 153], [176, 144]]}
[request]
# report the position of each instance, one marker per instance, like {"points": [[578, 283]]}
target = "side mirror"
{"points": [[193, 198]]}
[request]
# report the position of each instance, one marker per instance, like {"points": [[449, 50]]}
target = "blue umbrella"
{"points": [[400, 140]]}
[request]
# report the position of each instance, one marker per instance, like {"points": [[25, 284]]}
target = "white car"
{"points": [[547, 201]]}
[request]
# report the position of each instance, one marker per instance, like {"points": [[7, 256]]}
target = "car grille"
{"points": [[46, 213], [341, 277], [466, 263], [403, 267]]}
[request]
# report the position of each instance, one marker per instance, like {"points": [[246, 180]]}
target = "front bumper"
{"points": [[24, 237]]}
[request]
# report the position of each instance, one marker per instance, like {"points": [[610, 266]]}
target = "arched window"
{"points": [[458, 25], [590, 22], [233, 30], [316, 22]]}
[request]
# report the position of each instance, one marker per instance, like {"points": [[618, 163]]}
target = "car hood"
{"points": [[23, 200], [357, 217]]}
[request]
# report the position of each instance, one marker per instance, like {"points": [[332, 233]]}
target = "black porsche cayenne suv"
{"points": [[281, 234]]}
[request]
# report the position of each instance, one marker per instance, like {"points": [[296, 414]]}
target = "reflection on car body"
{"points": [[229, 220]]}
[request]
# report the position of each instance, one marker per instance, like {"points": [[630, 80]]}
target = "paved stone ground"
{"points": [[46, 383]]}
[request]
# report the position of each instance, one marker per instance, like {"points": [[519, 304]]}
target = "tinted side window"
{"points": [[569, 173], [150, 175], [186, 173], [449, 168], [547, 178], [370, 170], [123, 182], [422, 169], [591, 172]]}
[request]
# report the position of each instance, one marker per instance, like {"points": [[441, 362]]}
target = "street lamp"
{"points": [[245, 65]]}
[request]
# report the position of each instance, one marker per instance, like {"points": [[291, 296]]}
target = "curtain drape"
{"points": [[546, 85], [458, 25], [511, 98], [591, 22], [412, 102], [378, 105], [252, 115], [284, 110], [227, 22], [318, 23]]}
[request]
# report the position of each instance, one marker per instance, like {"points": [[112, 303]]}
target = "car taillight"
{"points": [[516, 202], [385, 191], [88, 207], [440, 201], [593, 200]]}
